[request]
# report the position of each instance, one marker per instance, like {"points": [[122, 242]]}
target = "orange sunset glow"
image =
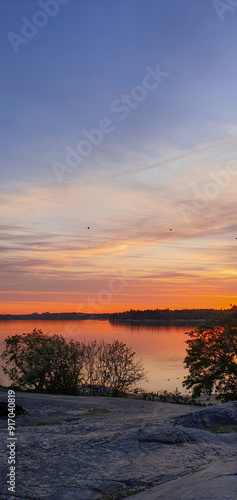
{"points": [[127, 259]]}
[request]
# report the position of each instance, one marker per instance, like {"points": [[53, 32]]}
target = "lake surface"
{"points": [[161, 348]]}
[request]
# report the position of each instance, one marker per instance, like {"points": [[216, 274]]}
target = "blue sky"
{"points": [[65, 79]]}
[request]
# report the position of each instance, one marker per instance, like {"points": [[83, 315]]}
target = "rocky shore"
{"points": [[92, 448]]}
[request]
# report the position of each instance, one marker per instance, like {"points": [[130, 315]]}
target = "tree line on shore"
{"points": [[132, 315], [164, 315]]}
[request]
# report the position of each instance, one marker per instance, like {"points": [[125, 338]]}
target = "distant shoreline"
{"points": [[132, 317]]}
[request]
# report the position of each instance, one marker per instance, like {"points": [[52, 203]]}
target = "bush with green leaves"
{"points": [[212, 357], [43, 362]]}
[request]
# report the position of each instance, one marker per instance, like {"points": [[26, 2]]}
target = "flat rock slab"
{"points": [[93, 448], [218, 481]]}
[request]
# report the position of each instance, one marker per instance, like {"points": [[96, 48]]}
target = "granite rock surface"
{"points": [[92, 448]]}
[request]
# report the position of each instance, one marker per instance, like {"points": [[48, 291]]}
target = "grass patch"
{"points": [[96, 411], [49, 422], [226, 429]]}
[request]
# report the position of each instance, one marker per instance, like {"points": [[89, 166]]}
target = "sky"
{"points": [[118, 155]]}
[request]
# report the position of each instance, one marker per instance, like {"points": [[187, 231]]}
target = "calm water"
{"points": [[162, 348]]}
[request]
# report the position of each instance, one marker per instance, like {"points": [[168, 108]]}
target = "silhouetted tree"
{"points": [[123, 372], [212, 357], [43, 362]]}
